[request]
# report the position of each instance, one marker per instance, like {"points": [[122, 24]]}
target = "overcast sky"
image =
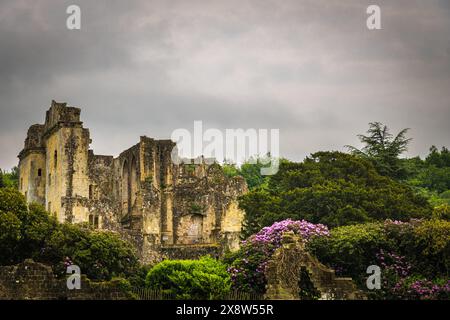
{"points": [[309, 68]]}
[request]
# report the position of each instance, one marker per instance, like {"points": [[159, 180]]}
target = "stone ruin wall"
{"points": [[289, 261], [31, 280], [141, 194]]}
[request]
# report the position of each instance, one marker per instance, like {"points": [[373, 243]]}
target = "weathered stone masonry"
{"points": [[31, 280], [141, 193], [291, 260]]}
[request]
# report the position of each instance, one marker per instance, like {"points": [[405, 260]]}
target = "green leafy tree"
{"points": [[65, 242], [425, 244], [31, 232], [332, 188], [442, 212], [435, 178], [1, 179], [431, 177], [383, 149], [439, 159], [38, 226], [13, 201], [9, 179], [104, 255], [101, 255], [230, 169], [9, 236], [350, 249], [13, 211], [251, 171], [432, 243]]}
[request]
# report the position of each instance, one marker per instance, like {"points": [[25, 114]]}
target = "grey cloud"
{"points": [[309, 68]]}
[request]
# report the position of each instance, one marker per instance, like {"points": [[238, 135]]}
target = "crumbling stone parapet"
{"points": [[294, 274], [32, 280]]}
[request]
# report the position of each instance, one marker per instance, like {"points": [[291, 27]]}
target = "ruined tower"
{"points": [[53, 164], [141, 193]]}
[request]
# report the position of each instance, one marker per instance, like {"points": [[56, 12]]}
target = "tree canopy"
{"points": [[383, 149], [28, 231], [9, 179], [332, 188]]}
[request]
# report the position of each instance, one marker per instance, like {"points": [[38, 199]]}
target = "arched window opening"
{"points": [[93, 220], [125, 191], [133, 183]]}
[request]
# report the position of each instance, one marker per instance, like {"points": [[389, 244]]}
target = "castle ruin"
{"points": [[141, 193]]}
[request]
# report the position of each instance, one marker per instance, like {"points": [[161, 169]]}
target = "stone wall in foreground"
{"points": [[291, 262], [30, 280]]}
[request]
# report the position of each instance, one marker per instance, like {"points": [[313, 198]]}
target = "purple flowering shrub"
{"points": [[248, 265], [398, 281], [414, 256], [425, 289]]}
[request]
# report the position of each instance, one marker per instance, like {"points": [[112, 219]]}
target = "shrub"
{"points": [[9, 179], [37, 229], [9, 236], [103, 255], [406, 251], [31, 232], [13, 219], [11, 200], [350, 249], [247, 266], [137, 277], [62, 244], [442, 212], [331, 188], [424, 289], [432, 243], [206, 278], [398, 281], [426, 244]]}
